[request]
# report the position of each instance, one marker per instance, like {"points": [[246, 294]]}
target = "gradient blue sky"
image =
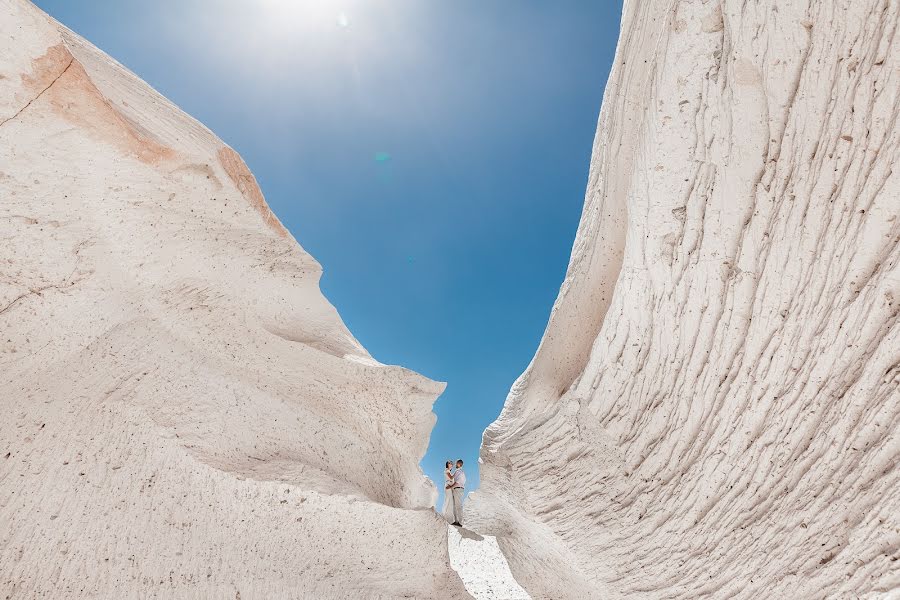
{"points": [[432, 155]]}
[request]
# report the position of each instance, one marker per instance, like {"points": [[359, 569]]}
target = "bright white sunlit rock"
{"points": [[713, 410], [184, 414]]}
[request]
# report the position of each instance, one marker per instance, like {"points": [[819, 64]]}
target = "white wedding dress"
{"points": [[447, 511]]}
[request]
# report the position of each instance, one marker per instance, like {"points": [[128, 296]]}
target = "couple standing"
{"points": [[454, 488]]}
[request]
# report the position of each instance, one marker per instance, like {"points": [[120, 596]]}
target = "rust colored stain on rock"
{"points": [[237, 170], [76, 99], [46, 68]]}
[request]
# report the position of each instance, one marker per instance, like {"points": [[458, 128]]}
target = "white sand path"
{"points": [[482, 566]]}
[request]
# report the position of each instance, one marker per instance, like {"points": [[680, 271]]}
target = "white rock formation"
{"points": [[184, 414], [714, 408], [482, 566]]}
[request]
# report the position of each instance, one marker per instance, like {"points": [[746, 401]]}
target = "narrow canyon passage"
{"points": [[713, 411]]}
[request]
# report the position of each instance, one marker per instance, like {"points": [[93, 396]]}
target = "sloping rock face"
{"points": [[184, 414], [713, 410]]}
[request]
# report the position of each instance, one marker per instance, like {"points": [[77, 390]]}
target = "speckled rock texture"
{"points": [[481, 566], [714, 410], [183, 414]]}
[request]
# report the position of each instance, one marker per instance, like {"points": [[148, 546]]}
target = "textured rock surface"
{"points": [[482, 566], [713, 410], [184, 414]]}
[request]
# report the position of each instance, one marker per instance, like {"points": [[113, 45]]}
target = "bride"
{"points": [[447, 511]]}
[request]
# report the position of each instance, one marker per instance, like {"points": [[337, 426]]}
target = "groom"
{"points": [[458, 488]]}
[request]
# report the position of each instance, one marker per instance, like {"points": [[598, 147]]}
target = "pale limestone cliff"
{"points": [[184, 414], [714, 409]]}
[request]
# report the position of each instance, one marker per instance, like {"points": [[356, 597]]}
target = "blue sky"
{"points": [[432, 155]]}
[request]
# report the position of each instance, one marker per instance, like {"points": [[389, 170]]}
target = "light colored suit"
{"points": [[459, 485]]}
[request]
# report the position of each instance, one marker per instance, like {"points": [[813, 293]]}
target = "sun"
{"points": [[283, 16], [303, 8]]}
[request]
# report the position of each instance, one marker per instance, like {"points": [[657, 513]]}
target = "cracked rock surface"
{"points": [[184, 414], [714, 409]]}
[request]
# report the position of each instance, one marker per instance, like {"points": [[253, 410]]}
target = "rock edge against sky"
{"points": [[186, 415], [714, 409]]}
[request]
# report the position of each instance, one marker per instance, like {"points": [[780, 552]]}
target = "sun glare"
{"points": [[320, 12], [280, 27]]}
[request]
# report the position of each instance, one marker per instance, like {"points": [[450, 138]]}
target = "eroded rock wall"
{"points": [[714, 408], [184, 414]]}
